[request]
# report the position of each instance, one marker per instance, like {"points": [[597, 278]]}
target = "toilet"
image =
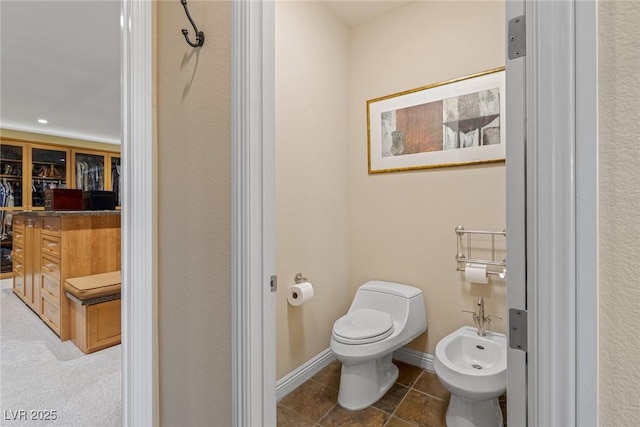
{"points": [[383, 317], [474, 369]]}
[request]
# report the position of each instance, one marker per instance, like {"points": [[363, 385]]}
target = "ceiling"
{"points": [[356, 12], [60, 61]]}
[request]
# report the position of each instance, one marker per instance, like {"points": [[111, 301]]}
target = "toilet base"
{"points": [[463, 412], [363, 384]]}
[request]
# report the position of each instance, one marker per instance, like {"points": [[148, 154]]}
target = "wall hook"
{"points": [[199, 34]]}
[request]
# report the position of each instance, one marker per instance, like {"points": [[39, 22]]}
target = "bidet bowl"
{"points": [[472, 366]]}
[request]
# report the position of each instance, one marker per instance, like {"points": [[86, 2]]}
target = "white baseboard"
{"points": [[415, 358], [294, 379]]}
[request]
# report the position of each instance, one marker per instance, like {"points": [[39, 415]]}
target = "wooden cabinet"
{"points": [[49, 169], [116, 177], [51, 247], [26, 262], [13, 161], [27, 169], [96, 170]]}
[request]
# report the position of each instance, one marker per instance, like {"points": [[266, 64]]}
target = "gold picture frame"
{"points": [[453, 123]]}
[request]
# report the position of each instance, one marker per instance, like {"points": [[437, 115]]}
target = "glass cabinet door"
{"points": [[89, 171], [11, 163], [116, 178], [11, 190], [48, 170]]}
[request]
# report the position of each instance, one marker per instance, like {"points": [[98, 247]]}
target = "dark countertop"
{"points": [[67, 213]]}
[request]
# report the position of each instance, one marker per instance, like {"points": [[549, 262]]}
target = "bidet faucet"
{"points": [[479, 318]]}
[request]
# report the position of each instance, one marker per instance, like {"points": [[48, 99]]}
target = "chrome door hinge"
{"points": [[274, 283], [517, 37], [518, 329]]}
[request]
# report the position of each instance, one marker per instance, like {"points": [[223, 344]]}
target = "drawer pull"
{"points": [[48, 226], [50, 266], [50, 285], [52, 245], [50, 312]]}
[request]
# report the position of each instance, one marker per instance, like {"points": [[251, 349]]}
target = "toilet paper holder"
{"points": [[300, 279], [462, 260]]}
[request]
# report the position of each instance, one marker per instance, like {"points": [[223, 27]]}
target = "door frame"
{"points": [[561, 155], [562, 372], [140, 391], [253, 214]]}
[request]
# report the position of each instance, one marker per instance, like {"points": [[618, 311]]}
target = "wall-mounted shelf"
{"points": [[462, 260]]}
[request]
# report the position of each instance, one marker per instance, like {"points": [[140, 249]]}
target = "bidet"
{"points": [[474, 369]]}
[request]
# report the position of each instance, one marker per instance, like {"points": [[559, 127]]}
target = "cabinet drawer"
{"points": [[18, 252], [51, 287], [50, 266], [51, 314], [50, 245], [18, 222], [18, 236], [51, 225], [18, 266]]}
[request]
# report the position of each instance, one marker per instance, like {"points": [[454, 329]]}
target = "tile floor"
{"points": [[416, 399]]}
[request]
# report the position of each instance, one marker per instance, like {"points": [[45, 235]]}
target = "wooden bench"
{"points": [[94, 310]]}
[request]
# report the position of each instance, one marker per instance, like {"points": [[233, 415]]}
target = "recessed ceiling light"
{"points": [[43, 121]]}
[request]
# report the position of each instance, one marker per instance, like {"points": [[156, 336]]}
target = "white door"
{"points": [[515, 64], [516, 212]]}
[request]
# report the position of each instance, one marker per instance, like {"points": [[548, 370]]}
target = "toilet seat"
{"points": [[362, 327]]}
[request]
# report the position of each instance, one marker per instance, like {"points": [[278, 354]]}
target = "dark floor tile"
{"points": [[288, 418], [502, 400], [422, 409], [397, 422], [407, 374], [312, 400], [340, 417], [392, 398], [429, 383], [329, 375]]}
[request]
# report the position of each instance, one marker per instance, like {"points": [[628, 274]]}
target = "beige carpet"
{"points": [[41, 376]]}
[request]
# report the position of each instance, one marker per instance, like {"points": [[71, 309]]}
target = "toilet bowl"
{"points": [[383, 317], [474, 369]]}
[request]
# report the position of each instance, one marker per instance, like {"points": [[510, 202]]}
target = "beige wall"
{"points": [[401, 225], [619, 223], [337, 224], [311, 175], [194, 216]]}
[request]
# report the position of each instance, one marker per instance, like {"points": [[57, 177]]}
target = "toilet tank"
{"points": [[391, 288], [394, 298]]}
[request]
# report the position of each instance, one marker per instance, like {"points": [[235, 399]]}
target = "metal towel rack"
{"points": [[462, 260]]}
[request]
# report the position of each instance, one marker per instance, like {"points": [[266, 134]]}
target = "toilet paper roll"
{"points": [[300, 293], [476, 273]]}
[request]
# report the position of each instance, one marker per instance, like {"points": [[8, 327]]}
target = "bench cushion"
{"points": [[94, 286]]}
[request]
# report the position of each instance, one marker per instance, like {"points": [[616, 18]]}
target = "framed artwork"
{"points": [[452, 123]]}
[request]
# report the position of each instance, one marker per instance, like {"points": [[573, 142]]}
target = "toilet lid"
{"points": [[363, 326]]}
